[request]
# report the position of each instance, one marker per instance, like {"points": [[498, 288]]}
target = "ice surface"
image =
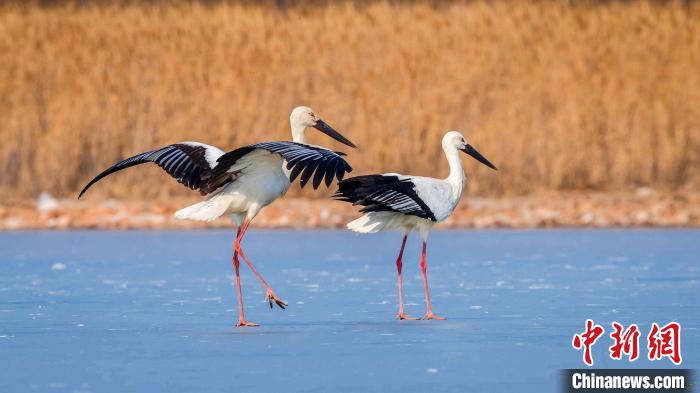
{"points": [[154, 311]]}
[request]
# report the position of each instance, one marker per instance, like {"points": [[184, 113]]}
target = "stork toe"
{"points": [[244, 323], [271, 297], [430, 315]]}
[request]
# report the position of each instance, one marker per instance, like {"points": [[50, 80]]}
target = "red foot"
{"points": [[401, 316], [270, 297], [243, 323], [430, 315]]}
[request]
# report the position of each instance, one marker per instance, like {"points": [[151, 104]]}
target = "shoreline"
{"points": [[644, 208]]}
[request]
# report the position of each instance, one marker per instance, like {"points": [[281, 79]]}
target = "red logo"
{"points": [[586, 340], [665, 342], [625, 343], [662, 342]]}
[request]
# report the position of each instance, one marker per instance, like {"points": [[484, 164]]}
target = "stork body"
{"points": [[405, 203], [261, 178], [242, 182]]}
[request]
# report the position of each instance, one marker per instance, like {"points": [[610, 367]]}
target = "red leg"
{"points": [[241, 313], [424, 268], [399, 265], [270, 296]]}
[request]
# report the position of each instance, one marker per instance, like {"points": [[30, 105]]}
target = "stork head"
{"points": [[303, 117], [455, 140]]}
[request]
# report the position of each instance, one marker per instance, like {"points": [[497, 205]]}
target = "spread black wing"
{"points": [[383, 193], [190, 163], [304, 161]]}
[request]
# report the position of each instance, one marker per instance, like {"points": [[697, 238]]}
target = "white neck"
{"points": [[298, 133], [456, 178]]}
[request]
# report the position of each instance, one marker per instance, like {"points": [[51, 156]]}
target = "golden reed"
{"points": [[560, 95]]}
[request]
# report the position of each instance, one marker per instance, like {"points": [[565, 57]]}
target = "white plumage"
{"points": [[393, 201], [374, 222], [245, 180], [260, 178]]}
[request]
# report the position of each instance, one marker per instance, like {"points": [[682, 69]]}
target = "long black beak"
{"points": [[328, 130], [469, 149]]}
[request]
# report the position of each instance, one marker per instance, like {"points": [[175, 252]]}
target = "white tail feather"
{"points": [[208, 210], [372, 222]]}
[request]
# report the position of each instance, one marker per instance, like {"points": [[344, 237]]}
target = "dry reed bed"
{"points": [[559, 96]]}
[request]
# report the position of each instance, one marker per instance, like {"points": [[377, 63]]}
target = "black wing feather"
{"points": [[295, 172], [171, 158], [383, 193], [308, 171], [321, 171], [330, 172], [308, 161], [188, 165], [339, 170], [220, 175]]}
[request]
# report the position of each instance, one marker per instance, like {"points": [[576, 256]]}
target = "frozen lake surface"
{"points": [[146, 311]]}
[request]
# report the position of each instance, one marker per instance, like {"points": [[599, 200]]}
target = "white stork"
{"points": [[406, 203], [243, 181]]}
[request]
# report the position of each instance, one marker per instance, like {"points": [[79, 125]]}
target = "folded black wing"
{"points": [[190, 163], [383, 193]]}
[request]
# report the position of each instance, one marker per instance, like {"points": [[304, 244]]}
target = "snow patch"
{"points": [[541, 286], [58, 266], [46, 203]]}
